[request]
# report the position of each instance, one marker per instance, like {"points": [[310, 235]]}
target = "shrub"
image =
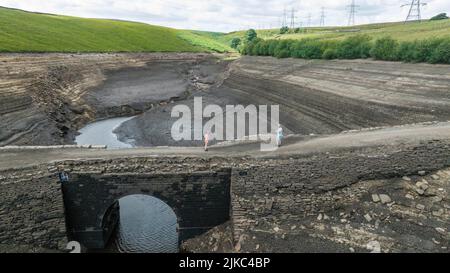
{"points": [[355, 47], [441, 54], [272, 46], [385, 49], [235, 43], [261, 48], [283, 53], [307, 49], [422, 50], [329, 54], [405, 51], [282, 45], [431, 50], [254, 49]]}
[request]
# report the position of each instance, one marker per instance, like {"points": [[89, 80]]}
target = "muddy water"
{"points": [[102, 133]]}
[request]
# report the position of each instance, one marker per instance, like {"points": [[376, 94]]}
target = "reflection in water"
{"points": [[102, 133], [147, 225]]}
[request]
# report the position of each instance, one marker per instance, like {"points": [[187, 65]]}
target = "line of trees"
{"points": [[440, 16], [434, 50]]}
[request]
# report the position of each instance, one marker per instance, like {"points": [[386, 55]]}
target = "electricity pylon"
{"points": [[414, 13], [322, 17], [351, 17]]}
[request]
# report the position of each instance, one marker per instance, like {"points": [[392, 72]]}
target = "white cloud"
{"points": [[227, 15]]}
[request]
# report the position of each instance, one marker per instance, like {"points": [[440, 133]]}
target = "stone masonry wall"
{"points": [[32, 214], [280, 190]]}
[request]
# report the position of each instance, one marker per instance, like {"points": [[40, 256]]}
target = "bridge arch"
{"points": [[200, 201], [141, 223]]}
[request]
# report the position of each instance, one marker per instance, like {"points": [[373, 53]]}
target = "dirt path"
{"points": [[389, 138]]}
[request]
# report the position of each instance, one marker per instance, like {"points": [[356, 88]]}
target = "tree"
{"points": [[235, 43], [441, 16], [250, 35], [284, 30]]}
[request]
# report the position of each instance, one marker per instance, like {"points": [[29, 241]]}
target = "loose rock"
{"points": [[375, 198], [385, 199], [420, 206]]}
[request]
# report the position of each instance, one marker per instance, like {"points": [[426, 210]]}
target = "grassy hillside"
{"points": [[22, 31], [209, 40], [399, 31]]}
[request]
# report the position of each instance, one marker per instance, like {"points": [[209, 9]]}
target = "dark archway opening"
{"points": [[140, 224], [200, 201]]}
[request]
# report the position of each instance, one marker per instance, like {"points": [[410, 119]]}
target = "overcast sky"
{"points": [[228, 15]]}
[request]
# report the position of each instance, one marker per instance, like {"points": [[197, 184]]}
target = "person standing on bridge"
{"points": [[279, 135], [62, 175], [206, 141]]}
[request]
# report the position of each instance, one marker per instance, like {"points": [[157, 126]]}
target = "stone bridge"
{"points": [[200, 200], [261, 196]]}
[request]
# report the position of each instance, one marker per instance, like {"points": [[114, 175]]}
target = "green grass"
{"points": [[22, 31], [399, 31], [205, 39]]}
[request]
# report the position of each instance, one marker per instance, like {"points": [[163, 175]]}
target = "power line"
{"points": [[414, 13], [351, 17], [322, 17]]}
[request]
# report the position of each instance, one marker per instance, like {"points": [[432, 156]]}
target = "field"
{"points": [[22, 31], [208, 40], [400, 31]]}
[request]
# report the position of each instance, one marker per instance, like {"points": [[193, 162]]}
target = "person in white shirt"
{"points": [[279, 135]]}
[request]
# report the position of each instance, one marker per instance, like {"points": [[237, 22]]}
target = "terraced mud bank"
{"points": [[318, 97], [46, 98], [331, 96]]}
